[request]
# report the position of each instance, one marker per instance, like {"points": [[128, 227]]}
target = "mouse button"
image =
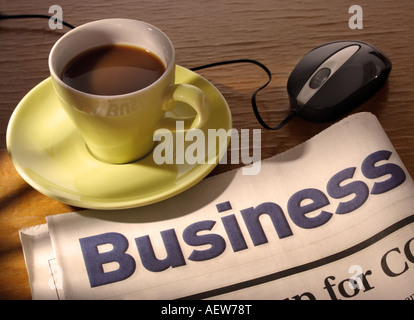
{"points": [[371, 70], [338, 88], [322, 75], [314, 58], [319, 78], [341, 57], [325, 51], [302, 72], [366, 67], [370, 54], [307, 66], [380, 62]]}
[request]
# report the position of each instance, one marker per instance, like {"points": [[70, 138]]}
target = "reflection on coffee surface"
{"points": [[113, 70]]}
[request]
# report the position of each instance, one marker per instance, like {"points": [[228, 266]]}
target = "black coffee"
{"points": [[113, 70]]}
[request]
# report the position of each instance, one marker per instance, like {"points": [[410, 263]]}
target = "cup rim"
{"points": [[97, 96]]}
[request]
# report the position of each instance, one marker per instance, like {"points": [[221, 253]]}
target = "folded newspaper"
{"points": [[329, 219]]}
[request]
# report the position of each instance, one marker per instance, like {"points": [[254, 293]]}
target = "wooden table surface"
{"points": [[275, 32]]}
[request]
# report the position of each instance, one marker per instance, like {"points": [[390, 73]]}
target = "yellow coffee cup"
{"points": [[120, 128]]}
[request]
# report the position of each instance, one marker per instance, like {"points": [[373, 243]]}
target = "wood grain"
{"points": [[277, 33]]}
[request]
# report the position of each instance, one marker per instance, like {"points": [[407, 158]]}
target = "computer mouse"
{"points": [[336, 77]]}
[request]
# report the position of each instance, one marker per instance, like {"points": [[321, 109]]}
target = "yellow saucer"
{"points": [[51, 156]]}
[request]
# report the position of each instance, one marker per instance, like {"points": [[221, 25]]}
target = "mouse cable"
{"points": [[25, 16], [253, 99]]}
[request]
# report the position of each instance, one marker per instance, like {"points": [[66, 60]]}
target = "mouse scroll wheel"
{"points": [[319, 78]]}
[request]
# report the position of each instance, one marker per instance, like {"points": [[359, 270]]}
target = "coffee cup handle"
{"points": [[192, 96]]}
